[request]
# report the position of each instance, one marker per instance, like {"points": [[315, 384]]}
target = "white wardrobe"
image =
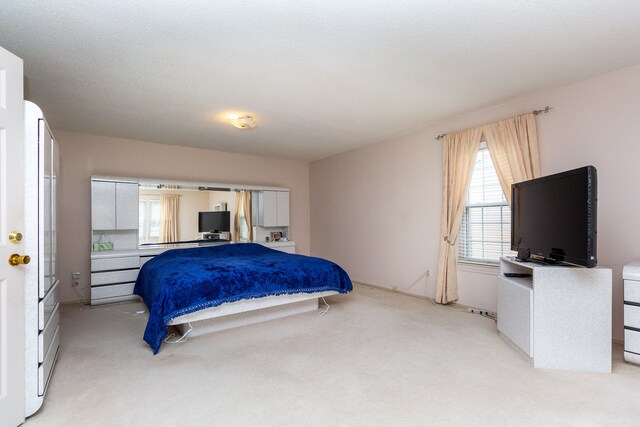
{"points": [[42, 332]]}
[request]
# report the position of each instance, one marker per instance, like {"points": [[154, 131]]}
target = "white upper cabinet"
{"points": [[114, 205], [126, 206], [282, 207], [271, 208], [103, 202]]}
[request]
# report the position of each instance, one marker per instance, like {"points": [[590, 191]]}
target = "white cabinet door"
{"points": [[55, 154], [515, 305], [114, 205], [269, 209], [126, 206], [283, 208], [103, 201], [46, 141]]}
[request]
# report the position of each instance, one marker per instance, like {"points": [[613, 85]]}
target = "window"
{"points": [[149, 219], [244, 229], [485, 231]]}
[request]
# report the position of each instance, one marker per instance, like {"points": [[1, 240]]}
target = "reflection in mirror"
{"points": [[190, 202]]}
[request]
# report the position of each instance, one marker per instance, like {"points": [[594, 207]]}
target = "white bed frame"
{"points": [[246, 312]]}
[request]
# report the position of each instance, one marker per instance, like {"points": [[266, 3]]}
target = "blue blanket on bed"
{"points": [[182, 281]]}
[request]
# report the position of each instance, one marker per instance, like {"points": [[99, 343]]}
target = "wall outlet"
{"points": [[75, 278], [428, 272]]}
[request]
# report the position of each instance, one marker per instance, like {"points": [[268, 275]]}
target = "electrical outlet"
{"points": [[428, 272], [75, 278]]}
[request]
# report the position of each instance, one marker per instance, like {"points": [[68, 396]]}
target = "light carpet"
{"points": [[376, 358]]}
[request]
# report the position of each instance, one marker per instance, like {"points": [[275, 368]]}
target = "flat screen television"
{"points": [[555, 217], [214, 222]]}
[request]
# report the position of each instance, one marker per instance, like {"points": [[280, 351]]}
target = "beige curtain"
{"points": [[243, 204], [513, 145], [459, 154], [169, 217]]}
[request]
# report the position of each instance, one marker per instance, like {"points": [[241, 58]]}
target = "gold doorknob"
{"points": [[16, 259], [15, 236]]}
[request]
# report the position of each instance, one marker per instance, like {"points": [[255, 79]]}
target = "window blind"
{"points": [[485, 231]]}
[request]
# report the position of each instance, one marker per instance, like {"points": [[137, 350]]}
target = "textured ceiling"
{"points": [[320, 77]]}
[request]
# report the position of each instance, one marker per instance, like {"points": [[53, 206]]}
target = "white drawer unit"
{"points": [[44, 371], [632, 341], [290, 249], [99, 292], [119, 263], [287, 246], [46, 306], [113, 278], [144, 259], [631, 276], [46, 336], [632, 291], [632, 316]]}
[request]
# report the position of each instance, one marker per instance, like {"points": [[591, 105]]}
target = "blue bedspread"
{"points": [[182, 281]]}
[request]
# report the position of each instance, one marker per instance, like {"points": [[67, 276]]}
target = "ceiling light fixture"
{"points": [[242, 122]]}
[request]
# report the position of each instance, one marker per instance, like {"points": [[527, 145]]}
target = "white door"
{"points": [[11, 219]]}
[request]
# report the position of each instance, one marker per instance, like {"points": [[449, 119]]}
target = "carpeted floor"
{"points": [[376, 358]]}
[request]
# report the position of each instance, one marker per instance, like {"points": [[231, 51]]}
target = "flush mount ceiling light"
{"points": [[243, 122]]}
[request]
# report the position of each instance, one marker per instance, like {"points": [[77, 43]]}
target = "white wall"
{"points": [[376, 210], [82, 156]]}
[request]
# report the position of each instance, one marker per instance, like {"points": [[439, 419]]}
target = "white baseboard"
{"points": [[392, 290]]}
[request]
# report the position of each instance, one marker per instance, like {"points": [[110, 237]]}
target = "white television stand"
{"points": [[560, 317]]}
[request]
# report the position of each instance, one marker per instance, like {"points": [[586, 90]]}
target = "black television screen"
{"points": [[555, 217], [214, 222]]}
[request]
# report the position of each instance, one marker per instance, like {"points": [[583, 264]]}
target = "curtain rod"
{"points": [[545, 110]]}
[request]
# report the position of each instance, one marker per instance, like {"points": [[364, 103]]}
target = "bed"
{"points": [[185, 285]]}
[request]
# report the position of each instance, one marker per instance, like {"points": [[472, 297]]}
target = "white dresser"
{"points": [[631, 276], [42, 332], [113, 276]]}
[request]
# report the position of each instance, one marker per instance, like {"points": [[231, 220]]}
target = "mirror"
{"points": [[192, 199], [125, 212]]}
